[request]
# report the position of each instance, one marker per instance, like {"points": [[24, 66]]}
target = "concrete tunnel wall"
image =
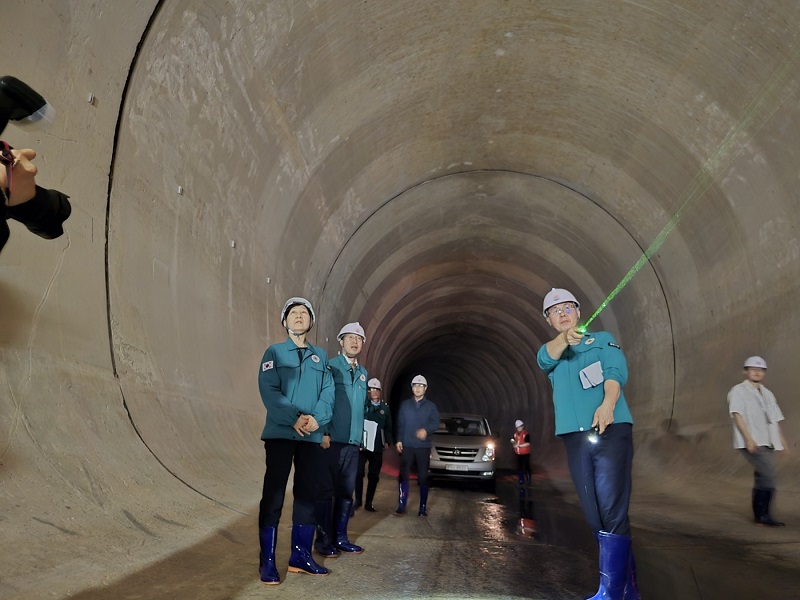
{"points": [[431, 169]]}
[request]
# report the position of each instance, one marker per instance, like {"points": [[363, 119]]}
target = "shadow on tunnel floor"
{"points": [[224, 565], [678, 554]]}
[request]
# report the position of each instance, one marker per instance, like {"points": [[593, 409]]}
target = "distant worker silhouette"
{"points": [[417, 419], [375, 411], [521, 442]]}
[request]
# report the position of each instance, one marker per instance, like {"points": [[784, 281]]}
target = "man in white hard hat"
{"points": [[417, 419], [521, 443], [375, 411], [588, 371], [341, 441], [297, 390], [757, 434]]}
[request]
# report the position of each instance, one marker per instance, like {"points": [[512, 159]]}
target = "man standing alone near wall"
{"points": [[757, 434]]}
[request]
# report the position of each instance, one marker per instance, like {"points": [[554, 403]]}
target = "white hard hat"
{"points": [[419, 379], [295, 302], [374, 383], [755, 362], [557, 296], [518, 423], [354, 328]]}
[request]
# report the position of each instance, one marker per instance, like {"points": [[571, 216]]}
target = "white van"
{"points": [[463, 449]]}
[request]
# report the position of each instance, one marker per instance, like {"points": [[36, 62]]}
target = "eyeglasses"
{"points": [[565, 309], [418, 385], [8, 160]]}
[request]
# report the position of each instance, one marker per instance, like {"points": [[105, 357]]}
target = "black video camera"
{"points": [[45, 213]]}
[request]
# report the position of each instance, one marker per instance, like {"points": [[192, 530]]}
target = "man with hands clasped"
{"points": [[297, 390], [588, 371]]}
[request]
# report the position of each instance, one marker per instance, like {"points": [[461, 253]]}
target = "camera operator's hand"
{"points": [[23, 177]]}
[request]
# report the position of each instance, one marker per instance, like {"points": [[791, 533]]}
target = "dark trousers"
{"points": [[524, 463], [600, 466], [375, 460], [422, 458], [307, 460], [341, 462], [765, 465]]}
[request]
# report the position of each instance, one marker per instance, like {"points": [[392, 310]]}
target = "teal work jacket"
{"points": [[347, 423], [291, 386], [577, 395]]}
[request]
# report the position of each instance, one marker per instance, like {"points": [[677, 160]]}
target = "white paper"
{"points": [[592, 375], [370, 433]]}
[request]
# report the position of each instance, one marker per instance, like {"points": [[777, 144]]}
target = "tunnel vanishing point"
{"points": [[430, 169]]}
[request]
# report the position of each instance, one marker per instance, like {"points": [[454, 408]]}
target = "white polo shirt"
{"points": [[761, 413]]}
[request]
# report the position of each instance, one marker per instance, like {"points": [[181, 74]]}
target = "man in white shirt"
{"points": [[757, 434]]}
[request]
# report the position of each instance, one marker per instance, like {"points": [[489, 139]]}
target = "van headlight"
{"points": [[488, 453]]}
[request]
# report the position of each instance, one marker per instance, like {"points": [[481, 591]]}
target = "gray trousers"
{"points": [[765, 464]]}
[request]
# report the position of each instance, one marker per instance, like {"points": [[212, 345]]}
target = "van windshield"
{"points": [[462, 426]]}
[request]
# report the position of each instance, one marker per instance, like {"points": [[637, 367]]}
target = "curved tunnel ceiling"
{"points": [[429, 168], [450, 276], [432, 171]]}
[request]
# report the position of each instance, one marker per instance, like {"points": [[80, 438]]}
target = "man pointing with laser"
{"points": [[588, 371]]}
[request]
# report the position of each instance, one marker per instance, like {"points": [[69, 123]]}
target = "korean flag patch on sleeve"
{"points": [[266, 366]]}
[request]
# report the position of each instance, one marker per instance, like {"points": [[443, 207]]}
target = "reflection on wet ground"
{"points": [[679, 552], [473, 545]]}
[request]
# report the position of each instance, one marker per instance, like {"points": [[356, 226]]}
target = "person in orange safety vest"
{"points": [[522, 448]]}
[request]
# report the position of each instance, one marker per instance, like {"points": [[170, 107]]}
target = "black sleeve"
{"points": [[44, 214], [4, 231]]}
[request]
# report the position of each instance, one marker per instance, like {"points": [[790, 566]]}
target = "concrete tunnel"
{"points": [[429, 169]]}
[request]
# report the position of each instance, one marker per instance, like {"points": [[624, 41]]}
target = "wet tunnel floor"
{"points": [[472, 545]]}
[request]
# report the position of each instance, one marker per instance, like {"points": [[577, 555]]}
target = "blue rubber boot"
{"points": [[401, 507], [342, 543], [631, 591], [323, 511], [300, 561], [614, 564], [268, 538], [423, 501]]}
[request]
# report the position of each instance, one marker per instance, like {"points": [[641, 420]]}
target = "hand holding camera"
{"points": [[42, 211]]}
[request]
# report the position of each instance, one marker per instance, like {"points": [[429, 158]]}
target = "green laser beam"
{"points": [[710, 169]]}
